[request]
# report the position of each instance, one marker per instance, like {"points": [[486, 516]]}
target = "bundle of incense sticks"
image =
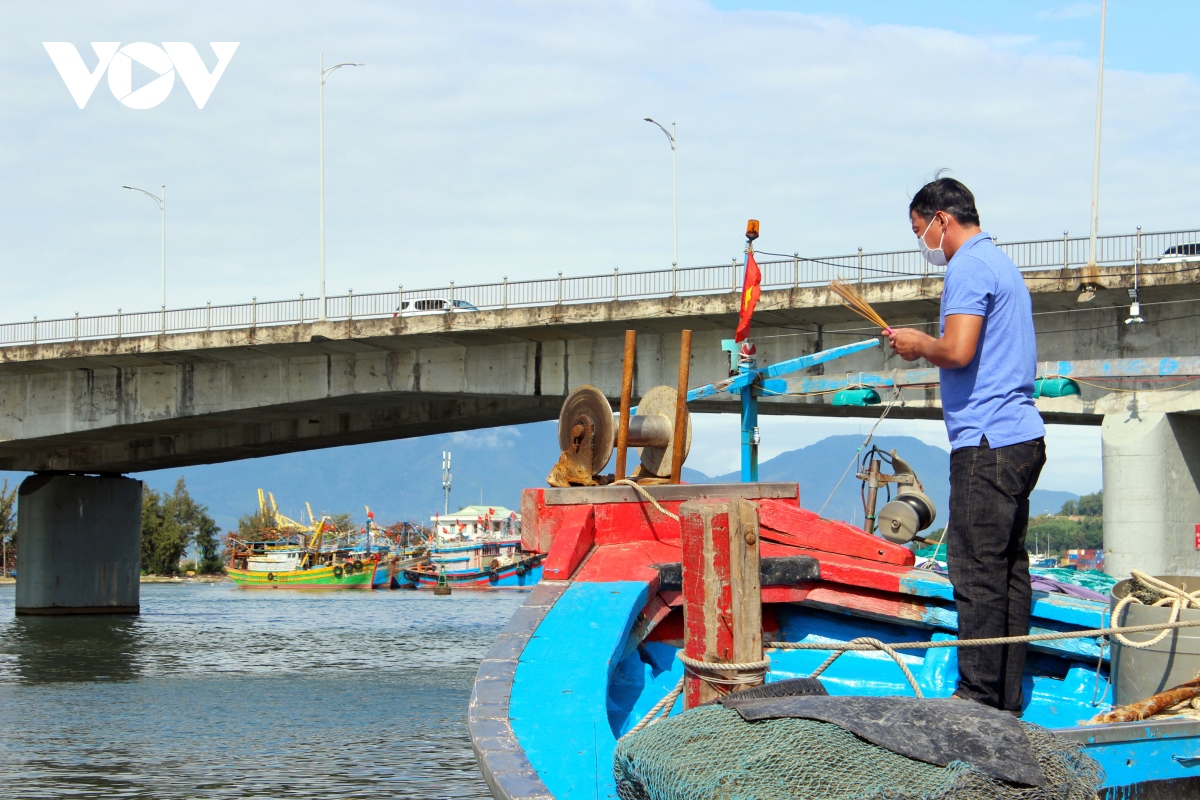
{"points": [[852, 300]]}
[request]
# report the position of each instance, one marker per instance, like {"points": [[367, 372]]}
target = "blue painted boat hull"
{"points": [[509, 577], [594, 647], [580, 683]]}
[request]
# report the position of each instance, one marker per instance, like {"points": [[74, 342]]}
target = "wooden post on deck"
{"points": [[722, 596], [626, 402], [679, 442]]}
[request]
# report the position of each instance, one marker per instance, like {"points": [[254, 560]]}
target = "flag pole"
{"points": [[747, 361]]}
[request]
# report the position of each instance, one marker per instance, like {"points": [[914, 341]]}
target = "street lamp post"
{"points": [[162, 206], [674, 195], [1090, 273], [321, 136]]}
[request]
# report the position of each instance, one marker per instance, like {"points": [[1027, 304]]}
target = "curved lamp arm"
{"points": [[325, 72], [666, 132], [154, 197]]}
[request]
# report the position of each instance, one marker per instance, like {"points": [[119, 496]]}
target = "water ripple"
{"points": [[218, 693]]}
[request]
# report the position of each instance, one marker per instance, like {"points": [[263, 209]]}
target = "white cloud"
{"points": [[486, 438], [491, 139]]}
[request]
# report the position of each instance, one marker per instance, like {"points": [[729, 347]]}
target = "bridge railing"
{"points": [[778, 272]]}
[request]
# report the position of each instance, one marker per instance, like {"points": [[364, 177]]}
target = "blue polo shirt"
{"points": [[993, 395]]}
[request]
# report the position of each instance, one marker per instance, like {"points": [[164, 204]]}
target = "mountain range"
{"points": [[402, 479]]}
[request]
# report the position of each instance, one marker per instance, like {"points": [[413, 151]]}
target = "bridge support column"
{"points": [[1151, 493], [80, 545]]}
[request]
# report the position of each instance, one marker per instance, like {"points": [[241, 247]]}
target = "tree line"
{"points": [[170, 523], [1055, 534]]}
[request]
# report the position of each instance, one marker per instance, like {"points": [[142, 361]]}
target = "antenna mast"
{"points": [[446, 481]]}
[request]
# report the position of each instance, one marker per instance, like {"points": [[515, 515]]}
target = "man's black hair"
{"points": [[945, 194]]}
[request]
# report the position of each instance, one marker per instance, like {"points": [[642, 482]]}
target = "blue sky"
{"points": [[1138, 37], [485, 139]]}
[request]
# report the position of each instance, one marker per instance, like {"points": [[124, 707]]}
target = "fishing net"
{"points": [[1087, 578], [711, 752]]}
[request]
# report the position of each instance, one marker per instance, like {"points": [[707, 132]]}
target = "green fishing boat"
{"points": [[280, 568]]}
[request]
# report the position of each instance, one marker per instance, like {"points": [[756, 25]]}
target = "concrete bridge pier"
{"points": [[80, 540], [1151, 493]]}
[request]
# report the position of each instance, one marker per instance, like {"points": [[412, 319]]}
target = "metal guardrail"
{"points": [[778, 273]]}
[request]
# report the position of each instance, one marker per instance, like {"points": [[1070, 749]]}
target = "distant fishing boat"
{"points": [[295, 556], [477, 547]]}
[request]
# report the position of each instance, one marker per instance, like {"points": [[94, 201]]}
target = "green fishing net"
{"points": [[712, 753]]}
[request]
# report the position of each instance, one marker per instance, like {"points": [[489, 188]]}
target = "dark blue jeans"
{"points": [[989, 566]]}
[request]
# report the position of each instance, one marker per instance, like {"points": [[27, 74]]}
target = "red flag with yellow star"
{"points": [[750, 295]]}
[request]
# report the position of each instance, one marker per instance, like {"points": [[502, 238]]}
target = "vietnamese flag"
{"points": [[750, 295]]}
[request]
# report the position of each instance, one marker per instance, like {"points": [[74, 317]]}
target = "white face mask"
{"points": [[934, 255]]}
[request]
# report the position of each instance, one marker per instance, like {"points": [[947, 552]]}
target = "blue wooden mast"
{"points": [[751, 382]]}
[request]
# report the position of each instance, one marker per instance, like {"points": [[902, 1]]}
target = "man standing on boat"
{"points": [[987, 355]]}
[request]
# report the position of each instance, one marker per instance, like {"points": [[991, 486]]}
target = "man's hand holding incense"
{"points": [[909, 343], [955, 349]]}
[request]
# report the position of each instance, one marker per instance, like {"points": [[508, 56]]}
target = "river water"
{"points": [[215, 692]]}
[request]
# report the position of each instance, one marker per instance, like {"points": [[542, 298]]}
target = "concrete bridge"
{"points": [[104, 406]]}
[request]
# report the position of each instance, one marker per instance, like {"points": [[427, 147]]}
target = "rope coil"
{"points": [[1177, 598], [750, 673]]}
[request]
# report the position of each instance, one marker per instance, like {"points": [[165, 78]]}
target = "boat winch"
{"points": [[912, 511], [588, 432]]}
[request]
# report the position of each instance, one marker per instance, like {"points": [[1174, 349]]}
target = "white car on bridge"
{"points": [[1179, 253], [434, 305]]}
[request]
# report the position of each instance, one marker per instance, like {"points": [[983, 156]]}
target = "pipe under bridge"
{"points": [[114, 404]]}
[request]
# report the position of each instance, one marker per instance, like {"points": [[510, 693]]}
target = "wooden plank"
{"points": [[744, 581], [722, 607], [573, 541], [786, 524]]}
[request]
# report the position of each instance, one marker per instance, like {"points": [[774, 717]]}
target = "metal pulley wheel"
{"points": [[585, 427], [658, 405], [906, 516]]}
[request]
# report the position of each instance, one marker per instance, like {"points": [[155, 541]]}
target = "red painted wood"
{"points": [[867, 603], [786, 524], [627, 562], [707, 596], [670, 630], [574, 539], [784, 594], [655, 612], [538, 523]]}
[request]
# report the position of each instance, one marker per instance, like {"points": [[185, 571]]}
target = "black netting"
{"points": [[711, 752]]}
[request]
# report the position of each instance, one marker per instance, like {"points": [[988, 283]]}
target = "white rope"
{"points": [[891, 401], [1093, 633], [1177, 598], [877, 645], [645, 496], [666, 703], [722, 666]]}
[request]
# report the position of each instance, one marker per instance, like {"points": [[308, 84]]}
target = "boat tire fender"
{"points": [[338, 572], [358, 565], [270, 576]]}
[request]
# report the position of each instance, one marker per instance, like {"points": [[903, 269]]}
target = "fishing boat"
{"points": [[585, 693], [271, 565], [292, 555], [477, 547]]}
